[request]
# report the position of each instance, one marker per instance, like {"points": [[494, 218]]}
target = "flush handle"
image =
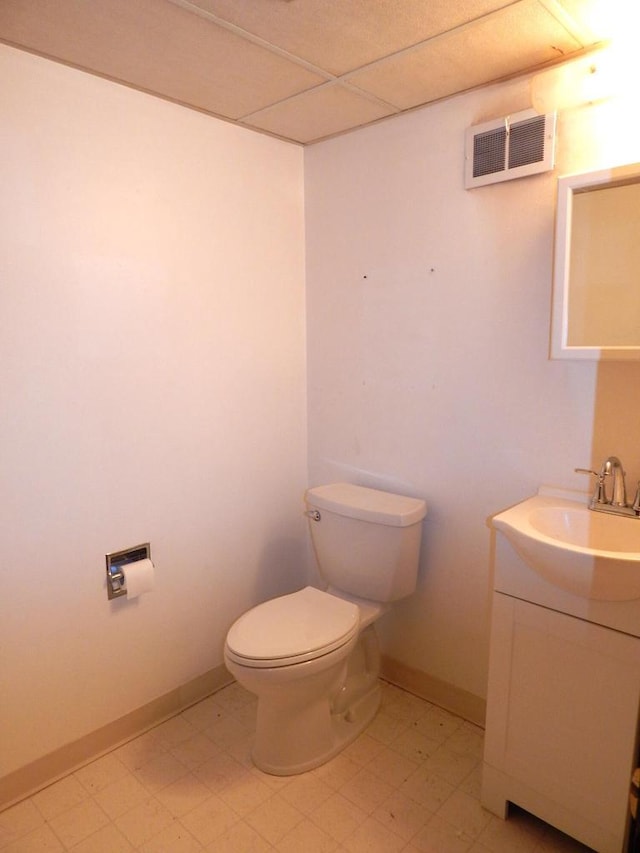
{"points": [[314, 514]]}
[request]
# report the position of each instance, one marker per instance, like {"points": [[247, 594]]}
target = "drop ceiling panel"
{"points": [[159, 47], [319, 113], [306, 69], [340, 35], [523, 35]]}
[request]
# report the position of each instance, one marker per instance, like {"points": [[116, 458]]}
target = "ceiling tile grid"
{"points": [[340, 36], [303, 70], [492, 48], [322, 112]]}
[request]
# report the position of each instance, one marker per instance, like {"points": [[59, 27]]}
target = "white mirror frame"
{"points": [[567, 187]]}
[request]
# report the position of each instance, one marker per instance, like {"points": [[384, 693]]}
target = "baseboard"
{"points": [[43, 771], [441, 693], [48, 769]]}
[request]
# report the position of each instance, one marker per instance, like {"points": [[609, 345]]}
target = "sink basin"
{"points": [[591, 554]]}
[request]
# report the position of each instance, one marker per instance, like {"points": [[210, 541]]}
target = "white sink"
{"points": [[591, 554]]}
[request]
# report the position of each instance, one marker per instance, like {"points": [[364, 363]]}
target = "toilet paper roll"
{"points": [[138, 577]]}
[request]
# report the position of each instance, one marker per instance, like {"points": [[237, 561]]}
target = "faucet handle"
{"points": [[635, 506], [600, 493]]}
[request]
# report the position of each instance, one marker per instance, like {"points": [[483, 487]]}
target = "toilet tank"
{"points": [[367, 542]]}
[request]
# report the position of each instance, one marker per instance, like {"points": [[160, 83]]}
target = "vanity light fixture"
{"points": [[595, 77]]}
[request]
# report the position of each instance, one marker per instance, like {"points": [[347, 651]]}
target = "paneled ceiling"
{"points": [[303, 70]]}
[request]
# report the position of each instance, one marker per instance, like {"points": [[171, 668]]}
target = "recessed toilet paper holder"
{"points": [[116, 561]]}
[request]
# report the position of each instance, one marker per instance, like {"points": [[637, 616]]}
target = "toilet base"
{"points": [[308, 713], [343, 728]]}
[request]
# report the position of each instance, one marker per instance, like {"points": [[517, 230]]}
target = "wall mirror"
{"points": [[596, 288]]}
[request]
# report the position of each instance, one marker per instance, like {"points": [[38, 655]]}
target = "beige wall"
{"points": [[428, 335], [152, 381]]}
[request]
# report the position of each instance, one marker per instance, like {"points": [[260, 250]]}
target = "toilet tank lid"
{"points": [[367, 504]]}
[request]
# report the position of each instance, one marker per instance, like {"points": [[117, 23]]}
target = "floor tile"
{"points": [[307, 837], [438, 724], [41, 840], [427, 788], [144, 821], [226, 731], [60, 797], [366, 791], [411, 782], [399, 703], [79, 822], [140, 751], [173, 732], [183, 795], [195, 750], [440, 837], [241, 839], [245, 794], [338, 817], [210, 820], [306, 792], [109, 839], [465, 813], [451, 766], [402, 815], [337, 771], [468, 740], [19, 820], [174, 839], [121, 796], [386, 727], [220, 771], [161, 771], [276, 783], [204, 713], [415, 745], [391, 766], [472, 784], [274, 818], [241, 749], [373, 837], [363, 749], [234, 698], [101, 773]]}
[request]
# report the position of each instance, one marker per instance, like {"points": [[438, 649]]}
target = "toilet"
{"points": [[311, 657]]}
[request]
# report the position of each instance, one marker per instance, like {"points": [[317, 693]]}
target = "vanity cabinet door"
{"points": [[562, 718]]}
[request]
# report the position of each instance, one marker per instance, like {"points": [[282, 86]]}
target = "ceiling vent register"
{"points": [[511, 147]]}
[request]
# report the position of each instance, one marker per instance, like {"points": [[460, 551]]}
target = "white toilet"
{"points": [[312, 657]]}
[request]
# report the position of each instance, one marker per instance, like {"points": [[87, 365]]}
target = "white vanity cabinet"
{"points": [[561, 721]]}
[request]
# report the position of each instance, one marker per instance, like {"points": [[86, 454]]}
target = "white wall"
{"points": [[152, 387], [428, 330], [152, 375]]}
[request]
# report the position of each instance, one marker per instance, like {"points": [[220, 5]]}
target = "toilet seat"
{"points": [[291, 629]]}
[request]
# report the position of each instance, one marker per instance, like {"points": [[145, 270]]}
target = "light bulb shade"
{"points": [[584, 81]]}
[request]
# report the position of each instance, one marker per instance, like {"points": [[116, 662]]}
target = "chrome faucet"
{"points": [[613, 467], [600, 502]]}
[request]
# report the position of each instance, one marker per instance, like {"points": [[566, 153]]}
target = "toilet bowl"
{"points": [[312, 656], [293, 653]]}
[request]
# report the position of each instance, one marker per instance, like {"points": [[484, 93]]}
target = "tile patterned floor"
{"points": [[410, 783]]}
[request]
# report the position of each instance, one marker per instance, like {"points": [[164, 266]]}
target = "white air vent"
{"points": [[512, 147]]}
